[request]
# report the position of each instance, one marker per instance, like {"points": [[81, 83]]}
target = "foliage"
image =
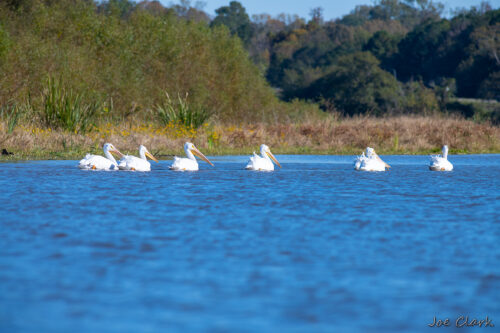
{"points": [[384, 46], [356, 85], [4, 43], [119, 8], [419, 99], [68, 110], [490, 87], [423, 52], [236, 19], [393, 56], [180, 112], [479, 110], [408, 12], [131, 55], [11, 113], [302, 56]]}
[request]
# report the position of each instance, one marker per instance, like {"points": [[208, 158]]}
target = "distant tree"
{"points": [[422, 53], [386, 10], [383, 46], [473, 51], [487, 39], [187, 10], [490, 87], [424, 10], [357, 85], [317, 15], [153, 7], [408, 13], [471, 73], [356, 17], [236, 19], [120, 8], [302, 56]]}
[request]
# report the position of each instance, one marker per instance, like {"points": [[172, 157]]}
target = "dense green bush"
{"points": [[418, 100], [131, 58], [479, 110]]}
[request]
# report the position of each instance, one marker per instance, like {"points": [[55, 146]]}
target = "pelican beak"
{"points": [[273, 158], [116, 151], [148, 154], [198, 153]]}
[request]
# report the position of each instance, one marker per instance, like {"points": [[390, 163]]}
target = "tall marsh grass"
{"points": [[331, 135], [11, 114], [68, 110], [180, 112]]}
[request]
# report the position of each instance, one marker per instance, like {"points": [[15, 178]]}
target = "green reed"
{"points": [[68, 110], [180, 112]]}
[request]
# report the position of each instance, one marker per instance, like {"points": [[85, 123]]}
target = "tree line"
{"points": [[392, 57]]}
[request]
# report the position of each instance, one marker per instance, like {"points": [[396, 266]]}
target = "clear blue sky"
{"points": [[332, 8]]}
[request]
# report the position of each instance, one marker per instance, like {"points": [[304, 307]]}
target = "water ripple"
{"points": [[314, 246]]}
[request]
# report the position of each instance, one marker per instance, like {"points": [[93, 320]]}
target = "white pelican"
{"points": [[370, 161], [189, 163], [440, 162], [97, 162], [133, 163], [263, 162]]}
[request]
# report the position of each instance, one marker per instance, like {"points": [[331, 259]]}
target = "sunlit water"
{"points": [[315, 246]]}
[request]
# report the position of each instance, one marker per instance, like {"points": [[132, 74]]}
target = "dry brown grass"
{"points": [[397, 135]]}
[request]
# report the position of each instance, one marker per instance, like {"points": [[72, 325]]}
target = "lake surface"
{"points": [[313, 247]]}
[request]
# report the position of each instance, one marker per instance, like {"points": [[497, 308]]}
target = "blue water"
{"points": [[313, 247]]}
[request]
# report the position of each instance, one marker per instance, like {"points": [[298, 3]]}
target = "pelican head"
{"points": [[370, 151], [264, 150], [191, 150], [110, 148], [144, 152]]}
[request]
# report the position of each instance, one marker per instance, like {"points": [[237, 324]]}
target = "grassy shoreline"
{"points": [[348, 136]]}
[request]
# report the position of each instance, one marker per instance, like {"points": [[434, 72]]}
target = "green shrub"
{"points": [[180, 112], [477, 109], [417, 99]]}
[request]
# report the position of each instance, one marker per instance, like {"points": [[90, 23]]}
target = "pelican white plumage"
{"points": [[133, 163], [440, 162], [97, 162], [370, 161], [189, 163], [359, 160], [263, 162]]}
